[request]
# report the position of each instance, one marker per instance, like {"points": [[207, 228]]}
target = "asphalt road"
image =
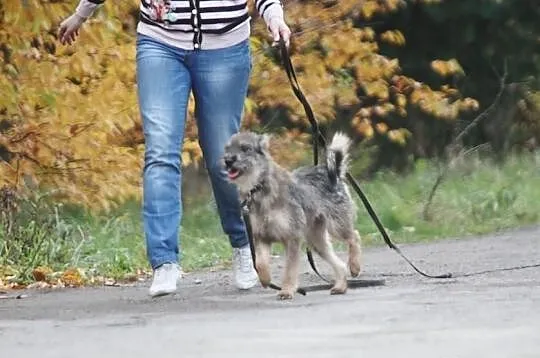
{"points": [[495, 315]]}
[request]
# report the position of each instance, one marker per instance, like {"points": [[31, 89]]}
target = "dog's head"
{"points": [[246, 158]]}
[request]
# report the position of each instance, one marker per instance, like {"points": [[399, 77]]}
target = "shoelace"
{"points": [[161, 273], [243, 258]]}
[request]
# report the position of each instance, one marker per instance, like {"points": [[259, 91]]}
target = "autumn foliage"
{"points": [[68, 114]]}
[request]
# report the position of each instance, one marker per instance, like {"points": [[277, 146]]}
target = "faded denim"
{"points": [[219, 81]]}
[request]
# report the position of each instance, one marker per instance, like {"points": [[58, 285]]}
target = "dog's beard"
{"points": [[245, 180]]}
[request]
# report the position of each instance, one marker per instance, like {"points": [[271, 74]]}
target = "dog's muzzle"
{"points": [[232, 171], [229, 161]]}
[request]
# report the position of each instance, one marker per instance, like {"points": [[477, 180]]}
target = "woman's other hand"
{"points": [[69, 29]]}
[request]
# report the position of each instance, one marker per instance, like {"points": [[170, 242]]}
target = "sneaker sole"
{"points": [[247, 285], [164, 292]]}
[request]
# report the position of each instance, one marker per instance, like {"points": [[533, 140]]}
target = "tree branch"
{"points": [[444, 169], [487, 111]]}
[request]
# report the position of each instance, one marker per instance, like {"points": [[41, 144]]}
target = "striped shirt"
{"points": [[195, 24]]}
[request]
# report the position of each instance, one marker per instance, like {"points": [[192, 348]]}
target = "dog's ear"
{"points": [[264, 143]]}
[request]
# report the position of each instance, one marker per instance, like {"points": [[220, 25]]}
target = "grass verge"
{"points": [[72, 247]]}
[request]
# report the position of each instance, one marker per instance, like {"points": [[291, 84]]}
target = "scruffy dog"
{"points": [[309, 203]]}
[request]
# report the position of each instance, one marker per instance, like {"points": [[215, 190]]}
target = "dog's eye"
{"points": [[245, 148]]}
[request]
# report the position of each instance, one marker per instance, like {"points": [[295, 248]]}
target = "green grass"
{"points": [[476, 197]]}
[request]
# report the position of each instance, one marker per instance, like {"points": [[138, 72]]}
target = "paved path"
{"points": [[496, 315]]}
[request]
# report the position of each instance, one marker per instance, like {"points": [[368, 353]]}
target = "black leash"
{"points": [[319, 138]]}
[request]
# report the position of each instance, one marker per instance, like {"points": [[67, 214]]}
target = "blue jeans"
{"points": [[165, 77]]}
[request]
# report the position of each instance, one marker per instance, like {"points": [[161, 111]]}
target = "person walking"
{"points": [[182, 46]]}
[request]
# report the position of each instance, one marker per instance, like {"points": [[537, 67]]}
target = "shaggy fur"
{"points": [[309, 203]]}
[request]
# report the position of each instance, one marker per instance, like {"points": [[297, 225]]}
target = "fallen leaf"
{"points": [[72, 278], [39, 285], [110, 282], [41, 273]]}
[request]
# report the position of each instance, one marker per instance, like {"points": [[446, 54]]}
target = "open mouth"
{"points": [[233, 173]]}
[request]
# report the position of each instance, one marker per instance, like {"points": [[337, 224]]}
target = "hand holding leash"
{"points": [[279, 30]]}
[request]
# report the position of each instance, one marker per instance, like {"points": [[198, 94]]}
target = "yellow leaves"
{"points": [[369, 9], [441, 104], [447, 68], [41, 273], [394, 37], [469, 104], [346, 96], [377, 89], [375, 67], [296, 142], [186, 159], [401, 100], [92, 144], [346, 45], [367, 34], [192, 152], [363, 126], [381, 127], [398, 136], [73, 109], [250, 106]]}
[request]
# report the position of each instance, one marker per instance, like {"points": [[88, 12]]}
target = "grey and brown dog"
{"points": [[310, 203]]}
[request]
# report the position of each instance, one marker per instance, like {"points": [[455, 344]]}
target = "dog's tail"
{"points": [[337, 157]]}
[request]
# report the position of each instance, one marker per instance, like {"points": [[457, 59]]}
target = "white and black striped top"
{"points": [[195, 19]]}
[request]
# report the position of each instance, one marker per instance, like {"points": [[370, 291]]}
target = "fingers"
{"points": [[69, 30], [275, 34], [62, 31], [279, 31], [285, 33], [67, 35]]}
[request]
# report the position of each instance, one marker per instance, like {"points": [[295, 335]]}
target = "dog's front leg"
{"points": [[262, 263], [290, 275]]}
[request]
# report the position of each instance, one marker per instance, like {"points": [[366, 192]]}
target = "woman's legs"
{"points": [[164, 85], [220, 82]]}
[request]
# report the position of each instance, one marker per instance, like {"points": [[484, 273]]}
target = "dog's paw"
{"points": [[354, 268], [285, 295], [338, 289]]}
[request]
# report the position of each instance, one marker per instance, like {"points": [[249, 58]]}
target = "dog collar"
{"points": [[246, 203]]}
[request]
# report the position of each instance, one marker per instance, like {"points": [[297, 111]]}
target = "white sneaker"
{"points": [[245, 275], [165, 279]]}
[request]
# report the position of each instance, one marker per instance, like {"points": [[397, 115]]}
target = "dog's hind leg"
{"points": [[355, 252], [320, 241], [290, 275]]}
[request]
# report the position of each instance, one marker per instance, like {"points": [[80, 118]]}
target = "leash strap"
{"points": [[318, 137], [316, 133]]}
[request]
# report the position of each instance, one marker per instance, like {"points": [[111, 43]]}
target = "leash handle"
{"points": [[318, 137]]}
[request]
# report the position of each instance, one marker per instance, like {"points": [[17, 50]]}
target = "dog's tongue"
{"points": [[233, 173]]}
